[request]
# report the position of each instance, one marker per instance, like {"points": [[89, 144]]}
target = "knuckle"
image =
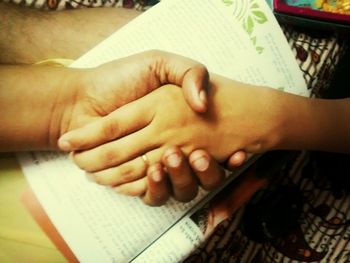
{"points": [[127, 172], [109, 157], [157, 59], [111, 130]]}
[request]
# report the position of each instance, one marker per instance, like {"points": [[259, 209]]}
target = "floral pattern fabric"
{"points": [[306, 208], [71, 4]]}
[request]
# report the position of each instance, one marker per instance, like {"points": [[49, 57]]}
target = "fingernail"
{"points": [[203, 97], [154, 173], [174, 160], [64, 145], [201, 164], [156, 176]]}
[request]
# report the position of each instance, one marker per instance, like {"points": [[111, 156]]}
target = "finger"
{"points": [[191, 75], [184, 185], [209, 173], [236, 160], [127, 172], [125, 120], [122, 174], [135, 188], [114, 153], [195, 88], [158, 189]]}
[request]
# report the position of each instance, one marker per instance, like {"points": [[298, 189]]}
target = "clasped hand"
{"points": [[111, 143]]}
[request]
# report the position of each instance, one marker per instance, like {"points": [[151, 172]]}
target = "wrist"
{"points": [[294, 129], [33, 106], [269, 121], [253, 115], [64, 105]]}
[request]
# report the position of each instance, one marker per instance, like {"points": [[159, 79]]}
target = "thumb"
{"points": [[195, 87], [191, 75]]}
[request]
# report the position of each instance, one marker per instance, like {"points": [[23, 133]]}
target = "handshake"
{"points": [[151, 125], [157, 124]]}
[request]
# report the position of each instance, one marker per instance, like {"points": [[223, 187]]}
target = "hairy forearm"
{"points": [[29, 35], [32, 100]]}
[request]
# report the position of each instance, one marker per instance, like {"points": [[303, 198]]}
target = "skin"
{"points": [[41, 35], [70, 98], [60, 36], [239, 116]]}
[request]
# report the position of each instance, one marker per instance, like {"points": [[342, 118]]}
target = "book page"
{"points": [[202, 221], [98, 224], [175, 245], [212, 32], [232, 39]]}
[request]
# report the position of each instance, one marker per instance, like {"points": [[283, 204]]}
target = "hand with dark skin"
{"points": [[71, 98], [41, 35]]}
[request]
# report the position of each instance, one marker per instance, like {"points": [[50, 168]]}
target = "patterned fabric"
{"points": [[306, 212], [308, 201], [71, 4], [317, 56], [307, 204]]}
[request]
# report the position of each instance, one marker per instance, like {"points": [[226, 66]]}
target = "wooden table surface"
{"points": [[21, 239]]}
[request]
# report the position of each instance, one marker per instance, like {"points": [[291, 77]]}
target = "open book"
{"points": [[238, 39]]}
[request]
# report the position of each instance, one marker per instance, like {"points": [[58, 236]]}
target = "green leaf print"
{"points": [[254, 5], [250, 25], [228, 2], [259, 49], [251, 16], [259, 17], [253, 39]]}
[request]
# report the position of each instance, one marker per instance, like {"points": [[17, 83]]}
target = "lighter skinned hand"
{"points": [[150, 130]]}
